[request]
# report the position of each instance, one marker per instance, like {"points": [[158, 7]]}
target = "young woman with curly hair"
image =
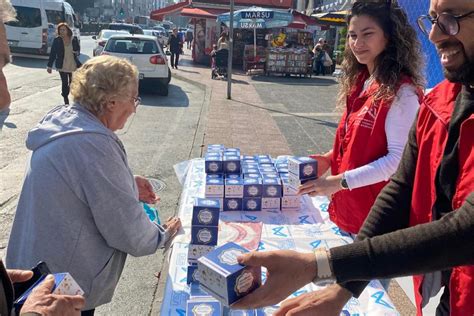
{"points": [[380, 93]]}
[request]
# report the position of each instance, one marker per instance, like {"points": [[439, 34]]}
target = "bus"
{"points": [[35, 27]]}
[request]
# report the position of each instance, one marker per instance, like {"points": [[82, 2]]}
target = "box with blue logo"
{"points": [[271, 203], [231, 164], [252, 176], [294, 182], [248, 158], [250, 170], [197, 251], [252, 204], [263, 157], [215, 147], [205, 212], [270, 175], [287, 190], [192, 275], [234, 188], [232, 204], [271, 188], [224, 278], [203, 307], [290, 202], [214, 187], [213, 164], [303, 167], [204, 235], [252, 187]]}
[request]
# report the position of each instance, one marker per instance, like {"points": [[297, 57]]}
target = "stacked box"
{"points": [[204, 306], [214, 187], [214, 164], [304, 168], [204, 228], [271, 194], [224, 278], [231, 164]]}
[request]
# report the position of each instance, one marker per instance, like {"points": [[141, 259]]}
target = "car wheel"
{"points": [[163, 90]]}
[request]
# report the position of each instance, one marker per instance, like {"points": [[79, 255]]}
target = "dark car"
{"points": [[131, 28]]}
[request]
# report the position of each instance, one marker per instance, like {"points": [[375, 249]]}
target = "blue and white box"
{"points": [[214, 187], [252, 204], [270, 175], [238, 312], [204, 235], [235, 151], [224, 278], [203, 307], [213, 164], [303, 167], [214, 147], [294, 182], [232, 204], [271, 203], [263, 157], [231, 165], [248, 158], [252, 187], [265, 161], [205, 212], [250, 170], [271, 188], [192, 275], [287, 190], [234, 188], [252, 176], [290, 202], [197, 251], [214, 154]]}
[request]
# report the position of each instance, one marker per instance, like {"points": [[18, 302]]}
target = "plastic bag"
{"points": [[181, 170]]}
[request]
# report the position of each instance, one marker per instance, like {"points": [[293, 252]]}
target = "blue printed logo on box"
{"points": [[203, 307], [213, 164], [303, 167], [232, 204], [206, 212], [252, 187], [204, 235], [192, 274], [231, 165], [271, 187], [252, 204], [224, 278]]}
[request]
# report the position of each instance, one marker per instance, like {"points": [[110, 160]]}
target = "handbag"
{"points": [[327, 62]]}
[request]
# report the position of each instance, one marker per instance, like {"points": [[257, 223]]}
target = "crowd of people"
{"points": [[400, 175]]}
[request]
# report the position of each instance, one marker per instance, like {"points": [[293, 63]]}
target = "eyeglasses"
{"points": [[447, 23], [137, 101]]}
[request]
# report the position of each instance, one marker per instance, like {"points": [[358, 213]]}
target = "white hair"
{"points": [[7, 13]]}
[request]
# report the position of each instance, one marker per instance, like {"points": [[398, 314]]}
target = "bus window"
{"points": [[54, 16], [26, 17], [69, 20]]}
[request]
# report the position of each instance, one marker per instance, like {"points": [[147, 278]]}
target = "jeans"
{"points": [[66, 78], [174, 59]]}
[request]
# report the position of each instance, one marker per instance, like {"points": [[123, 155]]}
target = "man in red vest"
{"points": [[423, 221]]}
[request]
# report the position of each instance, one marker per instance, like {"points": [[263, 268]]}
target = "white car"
{"points": [[158, 35], [144, 52], [102, 38]]}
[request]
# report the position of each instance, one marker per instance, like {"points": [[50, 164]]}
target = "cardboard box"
{"points": [[271, 188], [234, 188], [231, 165], [204, 235], [213, 164], [248, 158], [287, 190], [214, 187], [252, 176], [213, 147], [270, 175], [265, 160], [205, 212], [263, 157], [294, 182], [250, 170], [192, 275], [203, 307], [232, 204], [271, 203], [252, 187], [249, 163], [197, 251], [233, 176], [224, 278], [291, 202], [303, 167], [252, 204]]}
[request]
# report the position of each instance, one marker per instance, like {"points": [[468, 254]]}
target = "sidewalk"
{"points": [[240, 122]]}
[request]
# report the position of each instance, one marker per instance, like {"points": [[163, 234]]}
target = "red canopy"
{"points": [[300, 20], [205, 13], [160, 13]]}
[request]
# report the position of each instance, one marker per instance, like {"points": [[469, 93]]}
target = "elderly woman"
{"points": [[79, 207]]}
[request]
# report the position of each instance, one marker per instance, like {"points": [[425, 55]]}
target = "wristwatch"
{"points": [[344, 182], [325, 275]]}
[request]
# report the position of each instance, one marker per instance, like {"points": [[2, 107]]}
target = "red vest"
{"points": [[361, 142], [432, 134]]}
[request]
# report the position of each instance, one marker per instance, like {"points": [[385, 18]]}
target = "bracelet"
{"points": [[325, 274]]}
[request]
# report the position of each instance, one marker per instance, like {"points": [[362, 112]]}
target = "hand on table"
{"points": [[324, 163], [145, 190], [287, 271], [172, 225], [42, 302], [327, 302], [321, 186]]}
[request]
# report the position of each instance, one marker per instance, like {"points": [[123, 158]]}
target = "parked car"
{"points": [[102, 38], [131, 28], [159, 35], [146, 53]]}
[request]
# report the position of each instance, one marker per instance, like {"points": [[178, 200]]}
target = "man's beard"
{"points": [[464, 74]]}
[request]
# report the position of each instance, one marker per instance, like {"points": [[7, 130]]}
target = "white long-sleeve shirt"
{"points": [[399, 120]]}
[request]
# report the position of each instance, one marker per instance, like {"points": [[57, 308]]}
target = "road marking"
{"points": [[310, 114]]}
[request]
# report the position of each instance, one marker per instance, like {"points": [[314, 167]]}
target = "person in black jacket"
{"points": [[175, 45], [64, 53]]}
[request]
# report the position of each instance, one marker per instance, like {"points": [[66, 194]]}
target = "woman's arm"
{"points": [[53, 53]]}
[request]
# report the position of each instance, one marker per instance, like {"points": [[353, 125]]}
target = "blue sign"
{"points": [[265, 15], [252, 25]]}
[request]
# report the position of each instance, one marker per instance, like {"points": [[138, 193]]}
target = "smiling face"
{"points": [[366, 40], [456, 51]]}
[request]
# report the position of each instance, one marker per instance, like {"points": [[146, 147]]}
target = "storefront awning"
{"points": [[301, 21], [160, 13], [202, 13]]}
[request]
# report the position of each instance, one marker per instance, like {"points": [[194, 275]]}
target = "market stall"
{"points": [[288, 61], [303, 230]]}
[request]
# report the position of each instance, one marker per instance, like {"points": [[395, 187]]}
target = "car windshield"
{"points": [[131, 46]]}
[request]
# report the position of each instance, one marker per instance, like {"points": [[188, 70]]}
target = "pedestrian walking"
{"points": [[175, 46], [64, 54]]}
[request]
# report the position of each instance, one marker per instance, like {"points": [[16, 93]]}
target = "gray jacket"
{"points": [[78, 210]]}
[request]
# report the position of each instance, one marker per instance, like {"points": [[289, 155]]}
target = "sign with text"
{"points": [[252, 25], [265, 15]]}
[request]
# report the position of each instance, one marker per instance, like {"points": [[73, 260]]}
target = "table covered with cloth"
{"points": [[302, 230]]}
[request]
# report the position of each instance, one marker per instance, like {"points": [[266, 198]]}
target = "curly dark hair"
{"points": [[402, 56]]}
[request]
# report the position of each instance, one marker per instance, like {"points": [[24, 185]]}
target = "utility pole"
{"points": [[231, 49]]}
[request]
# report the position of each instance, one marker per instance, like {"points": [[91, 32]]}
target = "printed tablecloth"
{"points": [[302, 230]]}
